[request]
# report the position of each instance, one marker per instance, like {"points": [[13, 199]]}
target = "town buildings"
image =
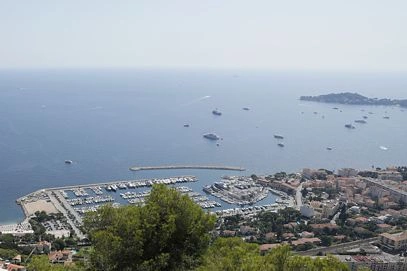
{"points": [[394, 242]]}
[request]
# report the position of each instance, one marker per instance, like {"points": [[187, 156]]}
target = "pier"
{"points": [[188, 167]]}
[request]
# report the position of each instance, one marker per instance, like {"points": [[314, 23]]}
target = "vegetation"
{"points": [[41, 263], [169, 233], [8, 253], [234, 254], [353, 98], [403, 171]]}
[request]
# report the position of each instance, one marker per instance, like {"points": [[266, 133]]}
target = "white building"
{"points": [[16, 229], [347, 172], [307, 211]]}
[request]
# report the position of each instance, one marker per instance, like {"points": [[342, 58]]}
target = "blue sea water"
{"points": [[108, 120]]}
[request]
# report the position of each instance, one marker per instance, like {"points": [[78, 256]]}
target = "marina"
{"points": [[238, 190], [84, 198], [75, 201]]}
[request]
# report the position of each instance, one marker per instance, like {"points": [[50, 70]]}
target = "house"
{"points": [[228, 233], [290, 226], [304, 241], [12, 267], [394, 241], [267, 247], [60, 256], [245, 230], [307, 211], [340, 237], [43, 247], [288, 236], [16, 259], [317, 228], [384, 227], [306, 234], [271, 236]]}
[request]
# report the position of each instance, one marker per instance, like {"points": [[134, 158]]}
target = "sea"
{"points": [[107, 120]]}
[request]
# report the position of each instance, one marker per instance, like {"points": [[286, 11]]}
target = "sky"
{"points": [[348, 35]]}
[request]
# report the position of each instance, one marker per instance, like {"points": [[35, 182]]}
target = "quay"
{"points": [[188, 167]]}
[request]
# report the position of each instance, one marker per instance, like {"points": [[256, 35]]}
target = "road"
{"points": [[62, 209], [334, 248], [298, 197]]}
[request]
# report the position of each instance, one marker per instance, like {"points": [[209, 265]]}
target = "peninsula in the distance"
{"points": [[353, 99]]}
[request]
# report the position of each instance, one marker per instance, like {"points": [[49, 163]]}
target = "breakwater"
{"points": [[188, 167]]}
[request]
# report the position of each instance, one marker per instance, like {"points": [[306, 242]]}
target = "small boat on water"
{"points": [[349, 126], [329, 148], [278, 136], [216, 112], [361, 121], [365, 117], [246, 108], [280, 145], [68, 162], [211, 136], [386, 117], [186, 125]]}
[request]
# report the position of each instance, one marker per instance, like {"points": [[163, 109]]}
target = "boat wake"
{"points": [[197, 100]]}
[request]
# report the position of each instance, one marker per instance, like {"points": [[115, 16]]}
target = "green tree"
{"points": [[7, 241], [329, 263], [8, 253], [58, 244], [254, 177], [169, 232], [41, 263], [326, 240], [229, 254], [278, 258]]}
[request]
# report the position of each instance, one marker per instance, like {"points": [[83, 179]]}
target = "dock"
{"points": [[135, 168]]}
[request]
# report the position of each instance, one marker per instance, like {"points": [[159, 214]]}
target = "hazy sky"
{"points": [[279, 35]]}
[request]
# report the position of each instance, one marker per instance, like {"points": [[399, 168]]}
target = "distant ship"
{"points": [[211, 136], [349, 126], [280, 144], [246, 108], [186, 125], [361, 121], [68, 162], [386, 117], [279, 136], [329, 148], [216, 112]]}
